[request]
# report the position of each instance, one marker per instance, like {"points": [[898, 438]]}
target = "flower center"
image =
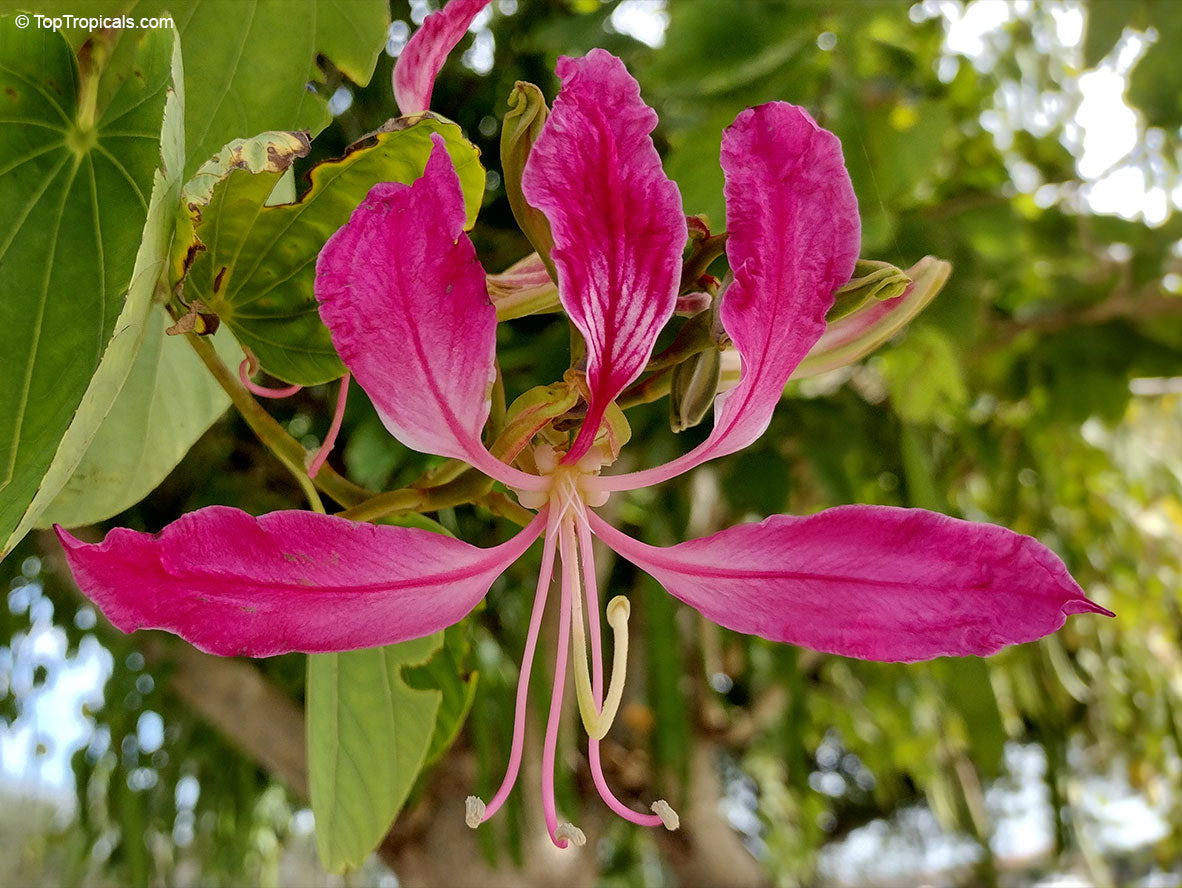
{"points": [[569, 491], [570, 486]]}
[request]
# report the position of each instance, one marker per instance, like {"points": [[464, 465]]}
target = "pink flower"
{"points": [[405, 297]]}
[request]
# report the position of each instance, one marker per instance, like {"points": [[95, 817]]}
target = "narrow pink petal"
{"points": [[793, 237], [232, 584], [873, 582], [422, 58], [617, 222], [404, 296]]}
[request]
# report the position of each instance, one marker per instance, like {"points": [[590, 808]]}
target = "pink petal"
{"points": [[793, 236], [404, 296], [422, 58], [232, 584], [873, 582], [616, 218]]}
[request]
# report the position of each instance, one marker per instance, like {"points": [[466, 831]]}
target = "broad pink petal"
{"points": [[232, 584], [404, 296], [617, 222], [422, 58], [873, 582], [793, 236]]}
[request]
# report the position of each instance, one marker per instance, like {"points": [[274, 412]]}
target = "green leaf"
{"points": [[447, 672], [368, 737], [82, 243], [259, 266], [249, 63], [270, 152], [167, 403], [969, 692]]}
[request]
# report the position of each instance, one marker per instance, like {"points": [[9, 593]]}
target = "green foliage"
{"points": [[167, 403], [271, 59], [259, 262], [84, 247], [369, 733]]}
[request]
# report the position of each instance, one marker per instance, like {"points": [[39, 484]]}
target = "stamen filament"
{"points": [[665, 815], [333, 430], [247, 367], [550, 746], [545, 574]]}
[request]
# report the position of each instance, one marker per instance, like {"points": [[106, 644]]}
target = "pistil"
{"points": [[597, 720]]}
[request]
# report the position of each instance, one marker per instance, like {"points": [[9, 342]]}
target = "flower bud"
{"points": [[872, 280], [695, 383], [529, 414], [524, 288], [859, 333], [520, 129], [198, 319]]}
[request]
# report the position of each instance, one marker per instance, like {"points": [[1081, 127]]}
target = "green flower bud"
{"points": [[872, 280], [520, 129], [694, 385], [857, 334]]}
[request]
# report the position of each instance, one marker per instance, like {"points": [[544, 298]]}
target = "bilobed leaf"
{"points": [[259, 265], [248, 63], [167, 403], [368, 736], [269, 152], [82, 245]]}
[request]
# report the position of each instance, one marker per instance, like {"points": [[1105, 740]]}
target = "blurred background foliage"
{"points": [[1042, 390]]}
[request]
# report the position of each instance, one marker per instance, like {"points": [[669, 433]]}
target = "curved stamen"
{"points": [[247, 367], [477, 812], [665, 815], [331, 438], [550, 746]]}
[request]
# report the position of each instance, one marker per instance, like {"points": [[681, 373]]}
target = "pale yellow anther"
{"points": [[473, 812], [669, 818], [571, 833]]}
